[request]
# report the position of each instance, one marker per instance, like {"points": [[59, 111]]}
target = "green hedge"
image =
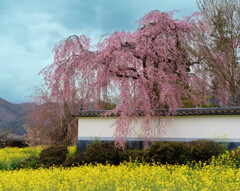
{"points": [[162, 152], [106, 153]]}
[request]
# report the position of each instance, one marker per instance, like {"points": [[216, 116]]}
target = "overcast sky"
{"points": [[29, 29]]}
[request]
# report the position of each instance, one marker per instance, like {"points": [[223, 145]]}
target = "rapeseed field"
{"points": [[128, 176], [219, 174], [10, 157]]}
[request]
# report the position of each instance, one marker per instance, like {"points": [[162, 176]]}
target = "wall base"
{"points": [[134, 143]]}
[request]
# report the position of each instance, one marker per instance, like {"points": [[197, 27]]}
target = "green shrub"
{"points": [[169, 152], [133, 155], [54, 155], [30, 162], [99, 153], [102, 153], [203, 150], [79, 159]]}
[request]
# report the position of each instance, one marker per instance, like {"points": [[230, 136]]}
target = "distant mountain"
{"points": [[12, 116]]}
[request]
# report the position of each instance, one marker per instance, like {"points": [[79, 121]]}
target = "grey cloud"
{"points": [[29, 29]]}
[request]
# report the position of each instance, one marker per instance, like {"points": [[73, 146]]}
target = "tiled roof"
{"points": [[162, 112]]}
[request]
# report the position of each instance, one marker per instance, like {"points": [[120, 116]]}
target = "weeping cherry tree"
{"points": [[146, 70]]}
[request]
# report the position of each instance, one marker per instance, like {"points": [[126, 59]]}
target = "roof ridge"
{"points": [[163, 112]]}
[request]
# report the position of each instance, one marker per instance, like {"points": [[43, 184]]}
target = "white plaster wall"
{"points": [[195, 127]]}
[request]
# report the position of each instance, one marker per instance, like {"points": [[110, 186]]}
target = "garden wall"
{"points": [[222, 128]]}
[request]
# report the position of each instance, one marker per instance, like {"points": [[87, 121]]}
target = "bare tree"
{"points": [[3, 133], [51, 122], [219, 48]]}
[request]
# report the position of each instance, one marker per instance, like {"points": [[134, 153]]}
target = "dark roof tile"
{"points": [[162, 112]]}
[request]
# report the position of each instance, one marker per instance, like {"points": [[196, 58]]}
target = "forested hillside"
{"points": [[12, 116]]}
